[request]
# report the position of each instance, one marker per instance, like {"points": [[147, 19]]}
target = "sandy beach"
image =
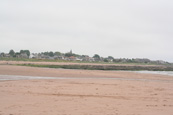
{"points": [[151, 96]]}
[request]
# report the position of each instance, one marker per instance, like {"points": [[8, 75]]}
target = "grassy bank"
{"points": [[64, 61], [105, 67]]}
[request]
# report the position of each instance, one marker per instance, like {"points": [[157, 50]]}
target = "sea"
{"points": [[169, 73]]}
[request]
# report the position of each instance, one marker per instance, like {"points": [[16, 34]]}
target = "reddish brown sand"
{"points": [[84, 96]]}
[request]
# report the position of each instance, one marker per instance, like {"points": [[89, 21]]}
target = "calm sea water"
{"points": [[169, 73]]}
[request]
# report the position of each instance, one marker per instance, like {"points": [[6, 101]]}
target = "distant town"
{"points": [[70, 56]]}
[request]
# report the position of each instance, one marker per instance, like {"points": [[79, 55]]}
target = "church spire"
{"points": [[71, 52]]}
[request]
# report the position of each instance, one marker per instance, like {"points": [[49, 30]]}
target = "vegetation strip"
{"points": [[105, 67]]}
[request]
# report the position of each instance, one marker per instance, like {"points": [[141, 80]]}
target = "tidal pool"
{"points": [[18, 77]]}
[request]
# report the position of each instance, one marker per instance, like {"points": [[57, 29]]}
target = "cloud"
{"points": [[120, 28]]}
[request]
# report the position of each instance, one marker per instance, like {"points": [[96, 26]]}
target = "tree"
{"points": [[51, 54], [12, 53], [105, 60], [45, 53], [58, 53], [110, 57], [96, 56], [16, 54], [25, 51], [2, 54], [68, 54]]}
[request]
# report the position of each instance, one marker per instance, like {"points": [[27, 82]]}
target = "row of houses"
{"points": [[85, 58], [43, 56], [22, 55], [62, 57]]}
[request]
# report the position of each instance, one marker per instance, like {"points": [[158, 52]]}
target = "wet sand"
{"points": [[84, 96]]}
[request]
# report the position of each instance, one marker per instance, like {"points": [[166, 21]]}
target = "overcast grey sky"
{"points": [[120, 28]]}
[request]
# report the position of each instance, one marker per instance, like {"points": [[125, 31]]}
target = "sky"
{"points": [[118, 28]]}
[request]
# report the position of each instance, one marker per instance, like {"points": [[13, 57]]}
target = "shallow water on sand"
{"points": [[18, 77]]}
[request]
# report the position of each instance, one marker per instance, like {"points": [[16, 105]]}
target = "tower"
{"points": [[71, 52]]}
